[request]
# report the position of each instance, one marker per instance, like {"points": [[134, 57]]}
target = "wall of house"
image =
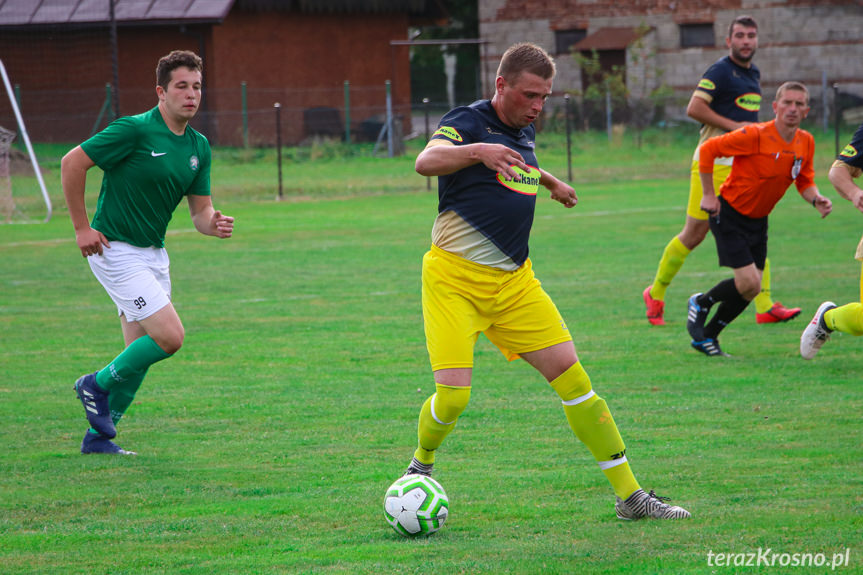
{"points": [[61, 76], [298, 60], [302, 61], [813, 41]]}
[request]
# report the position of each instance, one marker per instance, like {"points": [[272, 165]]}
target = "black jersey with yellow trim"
{"points": [[501, 210], [852, 153], [735, 91]]}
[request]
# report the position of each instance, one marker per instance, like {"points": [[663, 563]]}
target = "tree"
{"points": [[636, 105], [428, 79]]}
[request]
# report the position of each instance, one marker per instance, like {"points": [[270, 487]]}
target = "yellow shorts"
{"points": [[462, 298], [696, 191]]}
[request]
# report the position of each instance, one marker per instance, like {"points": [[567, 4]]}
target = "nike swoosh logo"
{"points": [[155, 155]]}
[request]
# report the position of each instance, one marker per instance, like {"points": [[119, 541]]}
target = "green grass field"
{"points": [[267, 443]]}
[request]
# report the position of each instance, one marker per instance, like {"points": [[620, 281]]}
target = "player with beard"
{"points": [[768, 158], [727, 97]]}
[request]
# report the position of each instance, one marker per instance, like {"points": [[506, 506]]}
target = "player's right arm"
{"points": [[73, 175], [442, 157], [699, 110], [737, 143], [709, 199], [842, 178]]}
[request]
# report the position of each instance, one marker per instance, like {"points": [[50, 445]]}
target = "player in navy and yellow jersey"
{"points": [[151, 162], [727, 97], [768, 157], [477, 276], [849, 317]]}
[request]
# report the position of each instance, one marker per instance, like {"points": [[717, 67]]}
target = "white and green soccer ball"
{"points": [[416, 505]]}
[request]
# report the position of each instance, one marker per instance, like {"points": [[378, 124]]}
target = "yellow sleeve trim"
{"points": [[433, 143], [703, 95], [448, 132], [855, 172]]}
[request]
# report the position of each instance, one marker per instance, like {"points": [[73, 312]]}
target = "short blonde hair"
{"points": [[526, 57], [798, 86]]}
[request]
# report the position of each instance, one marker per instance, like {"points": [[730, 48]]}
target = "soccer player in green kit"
{"points": [[150, 162]]}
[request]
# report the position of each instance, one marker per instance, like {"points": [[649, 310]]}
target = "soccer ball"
{"points": [[416, 505]]}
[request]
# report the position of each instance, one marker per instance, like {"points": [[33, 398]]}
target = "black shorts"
{"points": [[740, 240]]}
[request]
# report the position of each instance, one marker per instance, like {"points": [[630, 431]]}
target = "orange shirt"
{"points": [[764, 166]]}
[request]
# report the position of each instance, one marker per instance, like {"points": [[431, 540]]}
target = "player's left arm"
{"points": [[805, 183], [821, 203], [208, 220], [560, 190]]}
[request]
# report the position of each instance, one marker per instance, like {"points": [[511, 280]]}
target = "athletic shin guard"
{"points": [[131, 364], [764, 301], [672, 260], [121, 396], [847, 319], [591, 421], [731, 306], [438, 417]]}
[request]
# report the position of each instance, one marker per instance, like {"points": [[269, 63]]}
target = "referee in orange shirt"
{"points": [[768, 157]]}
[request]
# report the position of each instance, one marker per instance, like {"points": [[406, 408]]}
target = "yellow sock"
{"points": [[438, 417], [622, 480], [847, 319], [764, 301], [591, 421], [672, 260]]}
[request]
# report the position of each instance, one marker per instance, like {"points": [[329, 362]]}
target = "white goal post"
{"points": [[26, 138]]}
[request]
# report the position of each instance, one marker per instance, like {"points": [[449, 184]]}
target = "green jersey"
{"points": [[148, 169]]}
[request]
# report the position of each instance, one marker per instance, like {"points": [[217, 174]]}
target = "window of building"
{"points": [[692, 35], [564, 40]]}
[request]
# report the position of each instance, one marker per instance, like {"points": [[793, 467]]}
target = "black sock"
{"points": [[729, 308], [723, 291]]}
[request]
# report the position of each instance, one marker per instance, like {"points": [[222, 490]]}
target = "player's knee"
{"points": [[572, 384], [748, 289], [449, 402], [171, 342], [751, 294], [694, 233]]}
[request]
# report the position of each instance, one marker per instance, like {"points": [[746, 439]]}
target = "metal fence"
{"points": [[246, 115], [239, 117]]}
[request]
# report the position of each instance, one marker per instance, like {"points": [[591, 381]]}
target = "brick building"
{"points": [[295, 52], [672, 42]]}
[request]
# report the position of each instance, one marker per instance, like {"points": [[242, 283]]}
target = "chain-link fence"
{"points": [[238, 117], [245, 115], [829, 106]]}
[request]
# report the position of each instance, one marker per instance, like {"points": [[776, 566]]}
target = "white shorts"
{"points": [[137, 279]]}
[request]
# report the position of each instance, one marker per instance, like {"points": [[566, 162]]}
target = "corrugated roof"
{"points": [[609, 39], [50, 12], [423, 8], [22, 13]]}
